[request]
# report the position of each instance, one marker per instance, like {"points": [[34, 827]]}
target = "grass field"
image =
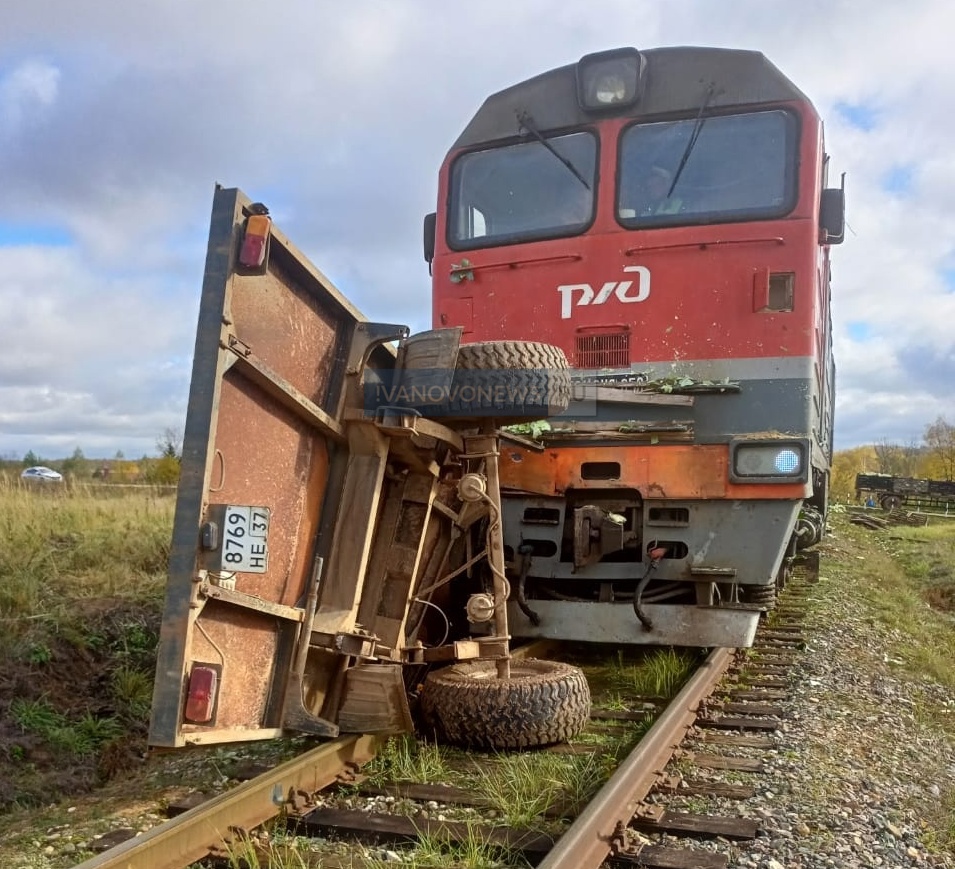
{"points": [[67, 544], [82, 574]]}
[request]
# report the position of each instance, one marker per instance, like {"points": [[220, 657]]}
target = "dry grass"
{"points": [[901, 581], [82, 575], [66, 544], [909, 584]]}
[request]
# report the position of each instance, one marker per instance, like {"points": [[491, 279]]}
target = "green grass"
{"points": [[659, 675], [901, 582], [403, 759], [246, 853], [80, 736], [522, 787], [909, 585], [82, 578], [941, 823], [436, 852], [927, 555], [132, 692]]}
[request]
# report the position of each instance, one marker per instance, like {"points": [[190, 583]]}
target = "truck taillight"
{"points": [[202, 693], [255, 241]]}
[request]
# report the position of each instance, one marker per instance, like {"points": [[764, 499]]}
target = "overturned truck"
{"points": [[331, 542]]}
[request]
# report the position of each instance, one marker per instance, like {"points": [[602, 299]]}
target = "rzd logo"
{"points": [[623, 290]]}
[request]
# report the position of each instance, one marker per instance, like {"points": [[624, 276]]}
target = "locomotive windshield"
{"points": [[738, 167], [523, 191], [717, 169]]}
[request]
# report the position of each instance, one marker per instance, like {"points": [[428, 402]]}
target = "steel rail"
{"points": [[588, 841], [192, 835]]}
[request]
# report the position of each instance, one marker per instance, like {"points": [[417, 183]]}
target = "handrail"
{"points": [[703, 245], [465, 269]]}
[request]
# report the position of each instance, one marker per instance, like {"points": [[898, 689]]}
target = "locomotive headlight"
{"points": [[610, 88], [609, 79], [787, 461], [769, 461]]}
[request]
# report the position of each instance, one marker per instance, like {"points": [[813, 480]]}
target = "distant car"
{"points": [[42, 475]]}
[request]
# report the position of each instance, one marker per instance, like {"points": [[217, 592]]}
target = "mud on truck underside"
{"points": [[332, 546]]}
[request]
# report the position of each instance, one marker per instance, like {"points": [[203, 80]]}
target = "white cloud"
{"points": [[118, 118], [26, 93]]}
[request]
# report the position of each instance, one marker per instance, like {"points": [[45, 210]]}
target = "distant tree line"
{"points": [[932, 459], [161, 470]]}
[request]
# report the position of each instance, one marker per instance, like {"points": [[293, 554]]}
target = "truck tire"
{"points": [[890, 502], [508, 381], [543, 702], [511, 380]]}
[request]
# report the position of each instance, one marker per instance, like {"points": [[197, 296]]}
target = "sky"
{"points": [[117, 119]]}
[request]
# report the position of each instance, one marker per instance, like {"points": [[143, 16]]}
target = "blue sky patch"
{"points": [[860, 116], [898, 179], [948, 275], [21, 234], [859, 331]]}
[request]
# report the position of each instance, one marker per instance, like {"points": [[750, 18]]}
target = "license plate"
{"points": [[245, 544]]}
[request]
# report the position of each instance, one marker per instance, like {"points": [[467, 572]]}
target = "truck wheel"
{"points": [[543, 702], [509, 381], [891, 502]]}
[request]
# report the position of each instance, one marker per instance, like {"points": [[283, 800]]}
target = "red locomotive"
{"points": [[664, 217]]}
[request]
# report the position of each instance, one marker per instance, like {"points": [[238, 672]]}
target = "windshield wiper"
{"points": [[694, 135], [525, 120]]}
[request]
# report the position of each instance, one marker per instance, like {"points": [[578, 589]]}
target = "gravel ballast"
{"points": [[860, 765]]}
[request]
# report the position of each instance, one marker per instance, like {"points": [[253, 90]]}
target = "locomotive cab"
{"points": [[663, 217]]}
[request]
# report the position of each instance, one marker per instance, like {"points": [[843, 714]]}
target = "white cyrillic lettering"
{"points": [[567, 297], [623, 290], [644, 285]]}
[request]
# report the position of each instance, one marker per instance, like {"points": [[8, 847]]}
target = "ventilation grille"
{"points": [[603, 350]]}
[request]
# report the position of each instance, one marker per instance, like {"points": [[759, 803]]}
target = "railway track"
{"points": [[721, 720]]}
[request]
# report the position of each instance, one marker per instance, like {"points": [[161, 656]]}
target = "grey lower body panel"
{"points": [[746, 539], [686, 625]]}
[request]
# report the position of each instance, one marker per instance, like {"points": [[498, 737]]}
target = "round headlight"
{"points": [[787, 461], [769, 462]]}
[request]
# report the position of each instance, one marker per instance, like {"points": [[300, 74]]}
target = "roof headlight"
{"points": [[610, 88], [609, 79]]}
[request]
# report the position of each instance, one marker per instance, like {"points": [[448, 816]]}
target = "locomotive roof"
{"points": [[676, 80]]}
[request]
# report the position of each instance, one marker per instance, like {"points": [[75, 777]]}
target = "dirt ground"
{"points": [[51, 700]]}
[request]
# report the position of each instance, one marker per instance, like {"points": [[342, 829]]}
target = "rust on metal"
{"points": [[192, 835], [683, 472], [587, 842]]}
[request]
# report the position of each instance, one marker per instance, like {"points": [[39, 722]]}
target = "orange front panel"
{"points": [[678, 472]]}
